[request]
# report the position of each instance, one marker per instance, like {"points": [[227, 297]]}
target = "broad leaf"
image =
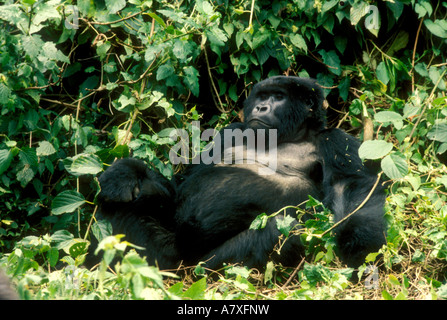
{"points": [[438, 132], [374, 149], [83, 164], [285, 225], [395, 165], [45, 148], [390, 116], [67, 201], [260, 222]]}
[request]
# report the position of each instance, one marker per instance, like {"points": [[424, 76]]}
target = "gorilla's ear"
{"points": [[308, 92]]}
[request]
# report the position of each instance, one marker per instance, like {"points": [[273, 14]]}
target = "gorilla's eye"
{"points": [[263, 96], [279, 96]]}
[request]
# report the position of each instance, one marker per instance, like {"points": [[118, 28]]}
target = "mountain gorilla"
{"points": [[205, 214]]}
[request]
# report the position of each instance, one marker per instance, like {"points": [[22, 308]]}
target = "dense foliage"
{"points": [[84, 83]]}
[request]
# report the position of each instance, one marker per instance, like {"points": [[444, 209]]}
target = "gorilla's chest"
{"points": [[288, 160], [291, 172]]}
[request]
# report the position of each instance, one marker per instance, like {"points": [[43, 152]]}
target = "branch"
{"points": [[144, 74], [414, 54], [293, 274], [113, 22]]}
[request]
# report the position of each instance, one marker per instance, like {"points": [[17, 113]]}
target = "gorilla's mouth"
{"points": [[258, 123]]}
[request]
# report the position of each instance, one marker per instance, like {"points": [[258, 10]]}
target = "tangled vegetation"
{"points": [[85, 82]]}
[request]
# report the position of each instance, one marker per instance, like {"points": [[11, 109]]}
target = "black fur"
{"points": [[206, 214]]}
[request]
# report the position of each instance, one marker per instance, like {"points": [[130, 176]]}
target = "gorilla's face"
{"points": [[266, 109], [291, 105], [288, 104]]}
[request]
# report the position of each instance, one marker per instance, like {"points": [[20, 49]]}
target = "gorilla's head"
{"points": [[287, 104]]}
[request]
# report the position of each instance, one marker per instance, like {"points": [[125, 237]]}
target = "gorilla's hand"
{"points": [[129, 180], [123, 181]]}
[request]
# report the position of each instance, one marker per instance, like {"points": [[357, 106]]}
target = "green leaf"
{"points": [[423, 8], [5, 94], [386, 295], [316, 273], [25, 175], [390, 116], [45, 148], [67, 201], [157, 18], [438, 132], [216, 36], [396, 8], [299, 42], [32, 45], [51, 52], [260, 37], [14, 14], [340, 43], [393, 280], [437, 27], [84, 6], [382, 72], [115, 5], [260, 222], [395, 165], [53, 256], [6, 157], [371, 257], [102, 48], [236, 270], [206, 8], [269, 272], [442, 148], [332, 60], [183, 50], [102, 229], [191, 79], [165, 71], [374, 149], [61, 238], [46, 12], [83, 163], [77, 249], [151, 273], [285, 225], [174, 16], [197, 290], [358, 11], [124, 102], [177, 288], [343, 88], [434, 74], [169, 109], [400, 42], [137, 285]]}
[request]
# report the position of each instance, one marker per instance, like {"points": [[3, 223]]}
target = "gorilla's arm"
{"points": [[347, 183]]}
